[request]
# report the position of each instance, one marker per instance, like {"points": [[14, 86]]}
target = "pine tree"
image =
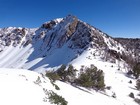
{"points": [[91, 78], [71, 73], [62, 72], [136, 70]]}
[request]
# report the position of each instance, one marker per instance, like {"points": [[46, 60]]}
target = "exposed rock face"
{"points": [[56, 33], [72, 26], [14, 36], [49, 25]]}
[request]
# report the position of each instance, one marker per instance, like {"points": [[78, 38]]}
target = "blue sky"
{"points": [[118, 18]]}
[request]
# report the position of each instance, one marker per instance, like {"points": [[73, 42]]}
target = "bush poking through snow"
{"points": [[138, 84], [71, 74], [131, 95], [38, 81], [108, 87], [68, 74], [56, 87], [137, 100], [53, 76], [114, 95], [130, 82], [56, 99], [63, 74], [136, 70], [89, 77]]}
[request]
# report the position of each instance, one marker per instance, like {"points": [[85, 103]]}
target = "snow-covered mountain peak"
{"points": [[66, 38], [67, 41], [70, 18]]}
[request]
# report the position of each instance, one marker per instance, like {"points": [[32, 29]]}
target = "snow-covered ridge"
{"points": [[39, 48]]}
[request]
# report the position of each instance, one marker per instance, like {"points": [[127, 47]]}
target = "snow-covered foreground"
{"points": [[23, 87], [18, 88]]}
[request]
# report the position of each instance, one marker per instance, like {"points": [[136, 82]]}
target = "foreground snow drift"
{"points": [[18, 88], [23, 87]]}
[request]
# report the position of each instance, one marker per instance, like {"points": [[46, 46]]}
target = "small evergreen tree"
{"points": [[91, 78], [136, 70], [131, 95], [56, 99], [62, 72], [138, 84], [100, 80], [71, 74], [52, 75]]}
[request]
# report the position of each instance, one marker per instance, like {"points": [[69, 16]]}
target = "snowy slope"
{"points": [[19, 87]]}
